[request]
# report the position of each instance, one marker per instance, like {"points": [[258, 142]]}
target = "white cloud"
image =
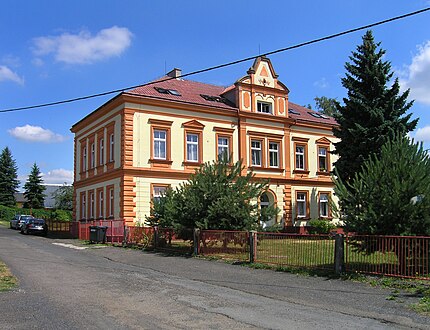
{"points": [[421, 134], [417, 75], [8, 74], [36, 134], [83, 48], [58, 176], [322, 83]]}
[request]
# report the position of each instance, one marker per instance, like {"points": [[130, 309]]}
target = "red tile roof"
{"points": [[191, 92], [305, 115]]}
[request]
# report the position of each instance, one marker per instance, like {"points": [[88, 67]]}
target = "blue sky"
{"points": [[55, 50]]}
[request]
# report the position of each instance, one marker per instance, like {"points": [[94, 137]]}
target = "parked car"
{"points": [[18, 220], [35, 226]]}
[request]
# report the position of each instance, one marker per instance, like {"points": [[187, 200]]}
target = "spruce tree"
{"points": [[34, 189], [373, 112], [390, 195], [8, 178]]}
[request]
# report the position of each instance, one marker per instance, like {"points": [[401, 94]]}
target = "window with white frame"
{"points": [[158, 192], [101, 152], [223, 148], [300, 157], [92, 205], [322, 159], [264, 107], [83, 207], [101, 204], [273, 154], [192, 147], [301, 205], [160, 144], [111, 147], [93, 155], [323, 205], [111, 200], [84, 159], [255, 153]]}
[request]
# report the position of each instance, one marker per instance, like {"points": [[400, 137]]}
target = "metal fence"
{"points": [[400, 256], [226, 244], [295, 250]]}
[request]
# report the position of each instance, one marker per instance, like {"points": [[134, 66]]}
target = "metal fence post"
{"points": [[339, 255], [156, 234], [196, 240], [252, 246], [124, 239]]}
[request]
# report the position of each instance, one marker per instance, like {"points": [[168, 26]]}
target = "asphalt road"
{"points": [[61, 287]]}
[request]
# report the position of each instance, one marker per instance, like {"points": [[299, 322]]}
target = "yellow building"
{"points": [[133, 147]]}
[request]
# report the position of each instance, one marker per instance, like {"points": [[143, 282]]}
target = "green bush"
{"points": [[61, 215], [321, 226], [7, 213]]}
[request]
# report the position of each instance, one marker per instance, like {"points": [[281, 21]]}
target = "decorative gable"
{"points": [[261, 92]]}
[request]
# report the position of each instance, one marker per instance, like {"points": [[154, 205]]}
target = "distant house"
{"points": [[20, 199], [129, 150], [49, 192]]}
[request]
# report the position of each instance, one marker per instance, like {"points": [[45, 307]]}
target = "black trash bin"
{"points": [[98, 234]]}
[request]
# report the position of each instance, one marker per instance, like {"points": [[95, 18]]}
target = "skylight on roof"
{"points": [[318, 115], [294, 112], [167, 91], [214, 98]]}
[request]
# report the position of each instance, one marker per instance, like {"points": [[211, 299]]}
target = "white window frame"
{"points": [[83, 207], [301, 200], [102, 151], [92, 205], [111, 200], [223, 147], [84, 159], [101, 204], [275, 153], [256, 151], [324, 211], [322, 155], [192, 147], [300, 157], [111, 147], [160, 144], [93, 155], [264, 107]]}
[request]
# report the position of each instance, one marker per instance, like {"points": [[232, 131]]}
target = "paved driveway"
{"points": [[64, 287]]}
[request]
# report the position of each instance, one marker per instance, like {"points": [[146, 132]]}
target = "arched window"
{"points": [[266, 199]]}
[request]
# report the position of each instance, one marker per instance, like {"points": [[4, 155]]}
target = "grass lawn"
{"points": [[4, 223], [7, 280]]}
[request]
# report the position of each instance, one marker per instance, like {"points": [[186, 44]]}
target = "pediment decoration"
{"points": [[193, 124], [323, 140]]}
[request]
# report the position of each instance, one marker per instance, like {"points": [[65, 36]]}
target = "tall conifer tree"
{"points": [[8, 178], [373, 112], [34, 189]]}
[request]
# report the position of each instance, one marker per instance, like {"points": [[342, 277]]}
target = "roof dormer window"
{"points": [[264, 107], [167, 91]]}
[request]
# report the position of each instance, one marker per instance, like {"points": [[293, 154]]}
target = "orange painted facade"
{"points": [[150, 138]]}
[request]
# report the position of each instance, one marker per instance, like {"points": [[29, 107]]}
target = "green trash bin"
{"points": [[98, 234]]}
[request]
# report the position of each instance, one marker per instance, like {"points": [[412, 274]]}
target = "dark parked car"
{"points": [[35, 226], [18, 220]]}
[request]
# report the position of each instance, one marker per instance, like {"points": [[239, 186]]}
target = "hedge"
{"points": [[7, 213]]}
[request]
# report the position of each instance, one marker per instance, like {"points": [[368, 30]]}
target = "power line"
{"points": [[332, 36]]}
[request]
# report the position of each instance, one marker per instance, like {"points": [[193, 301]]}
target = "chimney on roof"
{"points": [[175, 73]]}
